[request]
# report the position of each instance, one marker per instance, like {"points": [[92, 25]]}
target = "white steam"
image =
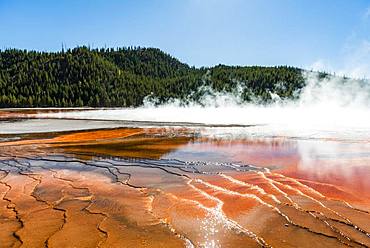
{"points": [[325, 108]]}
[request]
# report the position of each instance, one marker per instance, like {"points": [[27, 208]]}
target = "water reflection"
{"points": [[343, 164]]}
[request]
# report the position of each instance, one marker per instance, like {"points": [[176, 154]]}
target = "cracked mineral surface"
{"points": [[161, 186]]}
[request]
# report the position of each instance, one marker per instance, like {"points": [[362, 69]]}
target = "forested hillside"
{"points": [[124, 77]]}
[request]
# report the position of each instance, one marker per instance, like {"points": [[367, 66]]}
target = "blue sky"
{"points": [[306, 33]]}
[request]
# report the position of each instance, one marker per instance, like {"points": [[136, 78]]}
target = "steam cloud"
{"points": [[325, 108]]}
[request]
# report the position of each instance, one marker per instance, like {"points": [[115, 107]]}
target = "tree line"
{"points": [[124, 77]]}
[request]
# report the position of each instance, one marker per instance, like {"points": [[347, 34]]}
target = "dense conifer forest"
{"points": [[123, 77]]}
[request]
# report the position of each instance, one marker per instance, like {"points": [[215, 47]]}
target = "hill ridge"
{"points": [[123, 77]]}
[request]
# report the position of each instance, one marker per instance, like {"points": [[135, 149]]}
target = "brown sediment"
{"points": [[12, 115], [33, 113], [123, 188], [140, 147], [10, 222], [37, 220]]}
